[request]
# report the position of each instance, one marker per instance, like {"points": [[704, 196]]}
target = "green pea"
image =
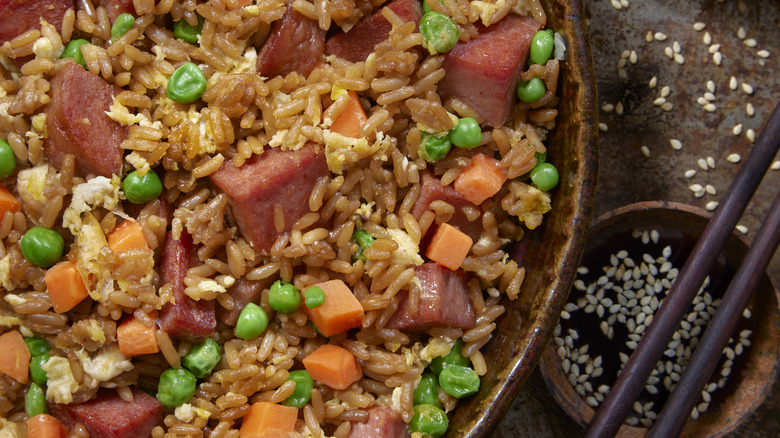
{"points": [[439, 32], [37, 373], [202, 358], [427, 391], [140, 189], [42, 246], [542, 46], [187, 32], [541, 157], [427, 8], [7, 160], [314, 297], [545, 176], [176, 387], [429, 420], [122, 24], [459, 381], [187, 83], [73, 50], [531, 91], [432, 148], [35, 401], [454, 357], [284, 297], [466, 134], [252, 322], [302, 392], [37, 346], [364, 241]]}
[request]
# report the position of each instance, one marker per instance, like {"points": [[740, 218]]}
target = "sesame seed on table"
{"points": [[684, 90]]}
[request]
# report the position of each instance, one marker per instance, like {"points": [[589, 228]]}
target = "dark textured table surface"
{"points": [[632, 117]]}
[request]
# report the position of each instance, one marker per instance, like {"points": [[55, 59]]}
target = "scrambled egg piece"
{"points": [[437, 347], [120, 114], [5, 272], [31, 182], [107, 363], [39, 123], [98, 191], [408, 251], [9, 429], [246, 63], [526, 202], [96, 331], [93, 258], [61, 384], [207, 289], [9, 321], [187, 412], [365, 210], [341, 150]]}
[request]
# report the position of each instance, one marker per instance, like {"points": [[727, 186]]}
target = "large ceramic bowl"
{"points": [[552, 252]]}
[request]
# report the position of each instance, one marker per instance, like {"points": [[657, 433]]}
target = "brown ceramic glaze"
{"points": [[748, 387], [553, 251]]}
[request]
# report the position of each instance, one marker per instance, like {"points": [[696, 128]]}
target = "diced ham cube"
{"points": [[294, 44], [444, 301], [432, 190], [383, 422], [243, 292], [359, 42], [19, 16], [185, 318], [115, 8], [77, 123], [109, 416], [274, 177], [484, 71]]}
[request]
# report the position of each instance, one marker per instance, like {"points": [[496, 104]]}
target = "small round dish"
{"points": [[631, 257]]}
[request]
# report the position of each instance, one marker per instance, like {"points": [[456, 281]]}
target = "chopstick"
{"points": [[631, 380], [705, 358]]}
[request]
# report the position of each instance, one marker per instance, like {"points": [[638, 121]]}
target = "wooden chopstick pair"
{"points": [[631, 380]]}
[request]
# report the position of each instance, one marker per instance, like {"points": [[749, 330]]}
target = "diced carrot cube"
{"points": [[340, 312], [135, 338], [482, 179], [349, 122], [15, 356], [65, 286], [127, 235], [334, 366], [268, 420], [45, 426], [8, 202], [449, 246]]}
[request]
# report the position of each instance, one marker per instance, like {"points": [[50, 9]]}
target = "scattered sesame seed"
{"points": [[709, 188], [749, 110], [603, 127], [653, 82], [735, 158], [632, 58], [775, 165], [616, 4], [737, 130], [676, 47], [711, 86], [714, 48], [747, 88], [659, 101], [649, 36], [702, 101], [744, 230], [717, 57], [741, 34], [669, 52], [607, 107], [709, 97], [707, 38], [624, 3], [710, 108], [699, 26], [667, 106], [694, 188], [711, 206], [763, 53], [711, 162], [750, 42], [660, 36], [645, 151], [619, 108], [621, 63], [690, 173], [678, 58], [676, 144], [733, 83], [665, 91], [582, 270], [751, 135], [702, 164]]}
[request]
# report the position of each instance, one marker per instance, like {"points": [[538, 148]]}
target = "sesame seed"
{"points": [[710, 108], [702, 101], [621, 63], [676, 144], [714, 48], [582, 270], [699, 26], [709, 97], [619, 108], [709, 188], [624, 3], [749, 110], [616, 4], [646, 422], [737, 130], [676, 47], [717, 57], [645, 151], [750, 42], [668, 106], [694, 188], [751, 135], [695, 414], [669, 52], [702, 164], [649, 36], [711, 206], [744, 230], [660, 36], [747, 88], [741, 34], [632, 58], [603, 127], [679, 59], [591, 401], [659, 101], [607, 108], [711, 86], [763, 53], [690, 173], [665, 91], [707, 38], [733, 83], [711, 162], [632, 421], [653, 82], [775, 165]]}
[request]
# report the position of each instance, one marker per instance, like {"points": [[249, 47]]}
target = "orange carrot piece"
{"points": [[268, 420], [333, 366], [340, 312], [482, 179], [127, 235], [15, 356], [449, 246], [45, 426], [65, 286], [8, 202], [350, 120], [135, 338]]}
